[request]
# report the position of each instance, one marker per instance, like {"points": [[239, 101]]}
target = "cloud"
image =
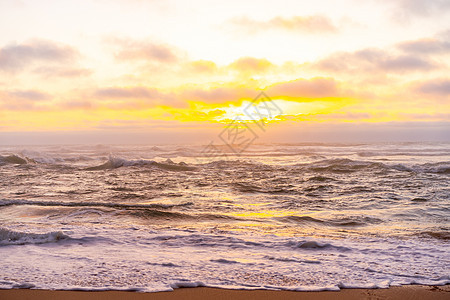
{"points": [[144, 50], [123, 93], [251, 64], [407, 11], [440, 87], [425, 46], [372, 59], [33, 95], [217, 95], [139, 96], [405, 63], [423, 7], [20, 100], [64, 72], [202, 66], [313, 88], [78, 104], [301, 24], [15, 57]]}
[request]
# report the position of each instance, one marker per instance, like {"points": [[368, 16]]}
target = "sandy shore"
{"points": [[405, 292]]}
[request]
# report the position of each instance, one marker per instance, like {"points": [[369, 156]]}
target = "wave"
{"points": [[251, 188], [315, 245], [117, 162], [345, 221], [9, 237], [142, 211], [289, 259], [440, 235], [430, 152], [170, 216], [342, 165], [320, 178], [33, 157], [321, 166], [13, 159], [7, 202], [346, 165]]}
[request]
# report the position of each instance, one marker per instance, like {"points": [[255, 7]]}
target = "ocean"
{"points": [[149, 218]]}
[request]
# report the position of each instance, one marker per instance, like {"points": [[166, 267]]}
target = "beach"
{"points": [[410, 292]]}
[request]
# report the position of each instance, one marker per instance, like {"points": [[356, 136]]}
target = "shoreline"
{"points": [[400, 292]]}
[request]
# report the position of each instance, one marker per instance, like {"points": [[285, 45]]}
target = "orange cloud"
{"points": [[202, 66], [251, 64]]}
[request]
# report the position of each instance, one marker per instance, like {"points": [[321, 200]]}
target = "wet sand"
{"points": [[405, 292]]}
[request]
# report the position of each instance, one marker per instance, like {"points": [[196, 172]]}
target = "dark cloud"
{"points": [[312, 88], [306, 24], [17, 56], [440, 87]]}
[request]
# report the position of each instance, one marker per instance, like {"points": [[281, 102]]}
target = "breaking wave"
{"points": [[13, 159], [9, 237], [117, 162]]}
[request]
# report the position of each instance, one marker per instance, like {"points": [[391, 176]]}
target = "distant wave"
{"points": [[320, 166], [9, 237], [345, 165], [245, 187], [342, 165], [13, 159], [31, 157], [117, 162]]}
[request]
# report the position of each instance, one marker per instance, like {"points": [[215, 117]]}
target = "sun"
{"points": [[252, 111]]}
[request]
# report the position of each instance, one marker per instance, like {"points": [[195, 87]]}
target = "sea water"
{"points": [[279, 216]]}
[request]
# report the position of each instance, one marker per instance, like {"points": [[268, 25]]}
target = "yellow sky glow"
{"points": [[132, 65]]}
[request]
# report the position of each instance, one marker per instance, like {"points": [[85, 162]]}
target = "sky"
{"points": [[167, 71]]}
